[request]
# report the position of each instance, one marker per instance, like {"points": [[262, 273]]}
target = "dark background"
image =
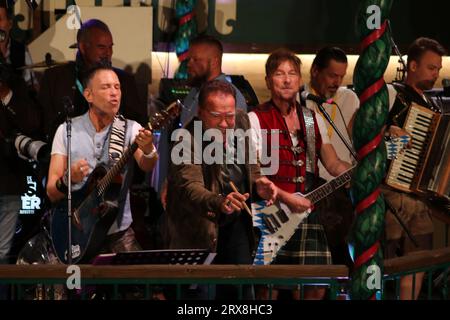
{"points": [[306, 25]]}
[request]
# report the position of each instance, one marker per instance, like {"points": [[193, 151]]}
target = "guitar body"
{"points": [[274, 225], [92, 216]]}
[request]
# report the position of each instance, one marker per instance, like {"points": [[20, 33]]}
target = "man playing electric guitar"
{"points": [[100, 137], [302, 142]]}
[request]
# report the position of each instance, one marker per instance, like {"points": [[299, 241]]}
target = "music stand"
{"points": [[173, 256]]}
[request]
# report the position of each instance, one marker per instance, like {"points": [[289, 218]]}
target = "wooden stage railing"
{"points": [[436, 265]]}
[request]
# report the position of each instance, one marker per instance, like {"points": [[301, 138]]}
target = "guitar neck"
{"points": [[329, 187]]}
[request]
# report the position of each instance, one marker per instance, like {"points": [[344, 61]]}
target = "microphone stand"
{"points": [[349, 147], [69, 184], [70, 107], [400, 75], [341, 136]]}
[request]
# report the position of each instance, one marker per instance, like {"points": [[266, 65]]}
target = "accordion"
{"points": [[425, 167]]}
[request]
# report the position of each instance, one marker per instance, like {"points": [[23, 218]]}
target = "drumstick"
{"points": [[243, 202]]}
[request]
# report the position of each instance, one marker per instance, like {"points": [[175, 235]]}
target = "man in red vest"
{"points": [[302, 142]]}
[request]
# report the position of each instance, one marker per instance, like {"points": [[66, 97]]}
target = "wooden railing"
{"points": [[419, 261], [335, 277], [21, 276], [436, 266], [176, 272]]}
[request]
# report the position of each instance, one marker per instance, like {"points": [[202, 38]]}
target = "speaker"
{"points": [[172, 89], [245, 88]]}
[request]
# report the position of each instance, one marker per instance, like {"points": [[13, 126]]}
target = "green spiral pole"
{"points": [[372, 29], [187, 29]]}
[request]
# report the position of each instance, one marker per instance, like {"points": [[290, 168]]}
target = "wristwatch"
{"points": [[152, 154]]}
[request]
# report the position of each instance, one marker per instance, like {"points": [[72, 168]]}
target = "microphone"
{"points": [[308, 96], [68, 105], [319, 100], [48, 59]]}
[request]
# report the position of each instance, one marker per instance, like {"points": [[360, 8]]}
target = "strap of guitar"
{"points": [[117, 139], [308, 118], [116, 150], [309, 132]]}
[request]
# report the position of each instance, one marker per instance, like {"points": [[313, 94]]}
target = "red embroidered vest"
{"points": [[291, 175]]}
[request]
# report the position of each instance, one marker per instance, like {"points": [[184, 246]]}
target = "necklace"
{"points": [[292, 122]]}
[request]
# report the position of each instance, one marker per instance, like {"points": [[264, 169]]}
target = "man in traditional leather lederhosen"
{"points": [[423, 66], [302, 142]]}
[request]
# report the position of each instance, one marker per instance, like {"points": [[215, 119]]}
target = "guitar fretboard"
{"points": [[108, 178], [329, 187]]}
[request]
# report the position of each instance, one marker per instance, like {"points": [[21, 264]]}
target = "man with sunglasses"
{"points": [[205, 64], [206, 202]]}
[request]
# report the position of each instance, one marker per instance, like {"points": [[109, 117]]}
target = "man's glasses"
{"points": [[227, 116]]}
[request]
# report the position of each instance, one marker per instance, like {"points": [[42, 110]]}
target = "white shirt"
{"points": [[90, 145], [392, 95], [348, 104]]}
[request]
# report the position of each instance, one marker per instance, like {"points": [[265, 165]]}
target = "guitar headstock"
{"points": [[160, 119]]}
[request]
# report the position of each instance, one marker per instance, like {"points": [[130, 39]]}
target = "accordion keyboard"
{"points": [[405, 168]]}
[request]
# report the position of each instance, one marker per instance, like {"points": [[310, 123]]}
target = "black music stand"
{"points": [[174, 256]]}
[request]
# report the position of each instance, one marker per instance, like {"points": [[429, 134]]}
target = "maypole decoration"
{"points": [[187, 29], [368, 132]]}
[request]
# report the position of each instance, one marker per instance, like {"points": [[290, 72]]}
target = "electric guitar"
{"points": [[276, 224], [95, 204]]}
